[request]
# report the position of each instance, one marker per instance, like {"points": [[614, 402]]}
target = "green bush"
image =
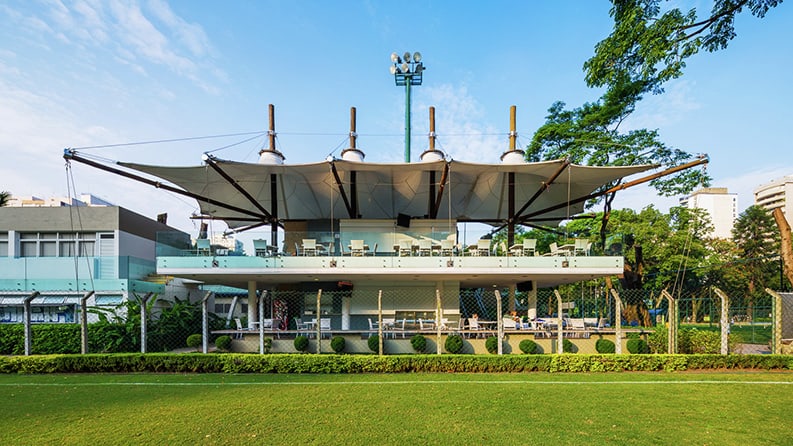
{"points": [[301, 343], [454, 344], [529, 347], [491, 344], [195, 340], [337, 344], [419, 343], [705, 341], [374, 343], [638, 346], [605, 346], [296, 363], [568, 346], [223, 343]]}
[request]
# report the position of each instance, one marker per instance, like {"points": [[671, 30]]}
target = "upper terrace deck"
{"points": [[395, 255]]}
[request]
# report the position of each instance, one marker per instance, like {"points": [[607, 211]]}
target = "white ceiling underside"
{"points": [[471, 192]]}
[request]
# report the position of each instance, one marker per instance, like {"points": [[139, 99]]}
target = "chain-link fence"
{"points": [[394, 313]]}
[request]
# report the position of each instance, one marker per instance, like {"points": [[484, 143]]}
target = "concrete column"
{"points": [[84, 322], [531, 301]]}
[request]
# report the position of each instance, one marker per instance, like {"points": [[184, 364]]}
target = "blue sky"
{"points": [[90, 73]]}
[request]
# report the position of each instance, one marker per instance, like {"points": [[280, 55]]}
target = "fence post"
{"points": [[319, 322], [499, 323], [84, 322], [205, 322], [776, 335], [261, 320], [143, 320], [559, 339], [724, 320], [380, 322], [26, 320], [672, 332], [439, 316], [617, 322]]}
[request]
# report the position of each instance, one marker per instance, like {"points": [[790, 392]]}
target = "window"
{"points": [[3, 244], [53, 244]]}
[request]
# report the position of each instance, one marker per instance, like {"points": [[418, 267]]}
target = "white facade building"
{"points": [[721, 206], [776, 194]]}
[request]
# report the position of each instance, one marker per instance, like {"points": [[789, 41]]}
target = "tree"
{"points": [[647, 47], [758, 242], [5, 197]]}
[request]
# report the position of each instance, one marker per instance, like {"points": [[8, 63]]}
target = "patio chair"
{"points": [[399, 328], [356, 248], [240, 328], [202, 246], [324, 326], [483, 247], [260, 247], [529, 247], [508, 323], [425, 247], [581, 247], [309, 247], [447, 247], [553, 250], [405, 247]]}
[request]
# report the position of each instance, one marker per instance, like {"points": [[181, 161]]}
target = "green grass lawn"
{"points": [[510, 409]]}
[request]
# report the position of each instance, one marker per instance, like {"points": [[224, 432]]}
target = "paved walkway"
{"points": [[753, 349]]}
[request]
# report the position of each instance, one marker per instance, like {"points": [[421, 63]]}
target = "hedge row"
{"points": [[303, 363]]}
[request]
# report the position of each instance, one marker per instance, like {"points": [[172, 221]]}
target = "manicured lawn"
{"points": [[503, 409]]}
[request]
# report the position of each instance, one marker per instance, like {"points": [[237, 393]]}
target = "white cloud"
{"points": [[658, 111]]}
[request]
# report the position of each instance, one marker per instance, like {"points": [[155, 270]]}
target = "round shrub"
{"points": [[223, 343], [491, 344], [605, 346], [337, 344], [195, 340], [528, 346], [374, 343], [568, 346], [638, 346], [419, 343], [301, 343], [454, 344]]}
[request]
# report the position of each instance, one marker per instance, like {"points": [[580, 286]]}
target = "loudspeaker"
{"points": [[524, 286], [403, 220]]}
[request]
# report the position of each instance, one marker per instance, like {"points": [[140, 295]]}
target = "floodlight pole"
{"points": [[407, 70]]}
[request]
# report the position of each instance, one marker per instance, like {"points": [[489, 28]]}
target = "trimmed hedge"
{"points": [[605, 346], [302, 363]]}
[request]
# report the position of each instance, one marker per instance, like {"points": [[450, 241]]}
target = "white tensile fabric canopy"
{"points": [[470, 191]]}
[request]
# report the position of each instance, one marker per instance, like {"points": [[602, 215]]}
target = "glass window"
{"points": [[67, 249], [48, 249], [87, 249], [28, 249], [3, 248]]}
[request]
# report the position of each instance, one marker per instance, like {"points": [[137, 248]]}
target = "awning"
{"points": [[340, 189]]}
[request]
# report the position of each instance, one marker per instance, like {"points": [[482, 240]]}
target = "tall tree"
{"points": [[5, 197], [757, 238], [647, 47]]}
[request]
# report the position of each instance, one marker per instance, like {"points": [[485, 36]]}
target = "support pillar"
{"points": [[531, 302], [776, 335], [438, 320]]}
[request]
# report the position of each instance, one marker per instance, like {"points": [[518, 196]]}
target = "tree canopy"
{"points": [[5, 197]]}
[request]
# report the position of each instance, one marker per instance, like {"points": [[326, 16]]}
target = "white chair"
{"points": [[324, 326], [508, 323], [529, 247], [581, 247], [240, 328], [447, 247], [425, 247], [473, 325], [309, 247], [554, 250], [372, 328], [399, 328], [483, 247], [260, 247], [577, 324], [405, 247], [356, 248], [202, 246]]}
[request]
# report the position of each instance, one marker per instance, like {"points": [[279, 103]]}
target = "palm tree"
{"points": [[5, 197]]}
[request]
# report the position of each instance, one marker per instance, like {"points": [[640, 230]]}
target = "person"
{"points": [[514, 315]]}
